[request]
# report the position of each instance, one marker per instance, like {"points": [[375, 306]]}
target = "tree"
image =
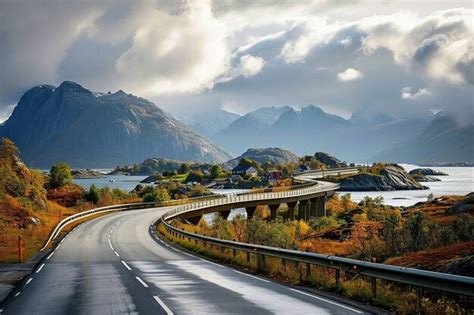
{"points": [[60, 175], [417, 226], [194, 176], [93, 195], [184, 168], [156, 195], [216, 171], [8, 149]]}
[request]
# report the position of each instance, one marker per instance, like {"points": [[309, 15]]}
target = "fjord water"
{"points": [[460, 181]]}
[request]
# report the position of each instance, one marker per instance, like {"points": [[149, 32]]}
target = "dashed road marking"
{"points": [[142, 282], [163, 305], [39, 269], [126, 265], [28, 282], [116, 254], [50, 255], [17, 294], [110, 244], [327, 301]]}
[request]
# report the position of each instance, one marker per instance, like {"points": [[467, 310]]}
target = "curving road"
{"points": [[112, 265]]}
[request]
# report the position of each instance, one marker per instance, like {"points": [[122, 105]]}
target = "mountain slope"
{"points": [[209, 123], [443, 140], [85, 129], [245, 131]]}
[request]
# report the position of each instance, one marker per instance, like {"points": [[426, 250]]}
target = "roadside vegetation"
{"points": [[436, 235]]}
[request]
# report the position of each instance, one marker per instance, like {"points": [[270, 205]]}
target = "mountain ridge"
{"points": [[70, 123]]}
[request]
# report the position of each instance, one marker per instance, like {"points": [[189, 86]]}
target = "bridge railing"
{"points": [[402, 275], [302, 190]]}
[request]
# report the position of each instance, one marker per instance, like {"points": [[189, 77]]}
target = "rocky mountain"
{"points": [[247, 130], [210, 122], [443, 140], [72, 124], [311, 129], [391, 177], [264, 155]]}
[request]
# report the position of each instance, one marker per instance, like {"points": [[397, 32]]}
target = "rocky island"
{"points": [[379, 177]]}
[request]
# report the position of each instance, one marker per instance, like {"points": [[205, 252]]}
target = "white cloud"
{"points": [[250, 65], [347, 41], [350, 74], [407, 94]]}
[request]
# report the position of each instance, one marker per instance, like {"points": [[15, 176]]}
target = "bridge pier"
{"points": [[317, 207], [250, 211], [273, 211], [195, 220], [292, 208], [303, 209]]}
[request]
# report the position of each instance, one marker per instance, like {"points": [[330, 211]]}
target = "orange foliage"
{"points": [[66, 196], [327, 247], [434, 259]]}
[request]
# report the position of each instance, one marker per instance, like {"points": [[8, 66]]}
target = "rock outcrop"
{"points": [[392, 177], [427, 172], [264, 155], [329, 160]]}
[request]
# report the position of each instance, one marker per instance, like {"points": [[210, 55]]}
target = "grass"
{"points": [[176, 178]]}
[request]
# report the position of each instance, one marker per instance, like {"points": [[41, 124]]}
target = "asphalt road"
{"points": [[111, 265]]}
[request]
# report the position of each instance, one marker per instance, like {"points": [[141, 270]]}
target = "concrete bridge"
{"points": [[304, 201]]}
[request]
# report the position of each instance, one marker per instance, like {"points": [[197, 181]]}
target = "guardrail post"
{"points": [[420, 300], [248, 257], [283, 264], [308, 270], [338, 276], [233, 253], [20, 258], [260, 262], [373, 286]]}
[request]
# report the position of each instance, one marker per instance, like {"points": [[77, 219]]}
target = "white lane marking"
{"points": [[110, 244], [142, 282], [188, 255], [116, 254], [17, 294], [210, 262], [257, 278], [27, 282], [57, 247], [39, 269], [163, 305], [327, 301], [126, 266], [50, 255]]}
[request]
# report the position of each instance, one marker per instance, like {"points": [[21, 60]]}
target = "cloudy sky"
{"points": [[404, 57]]}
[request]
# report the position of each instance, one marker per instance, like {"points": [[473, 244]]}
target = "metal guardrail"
{"points": [[410, 276]]}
